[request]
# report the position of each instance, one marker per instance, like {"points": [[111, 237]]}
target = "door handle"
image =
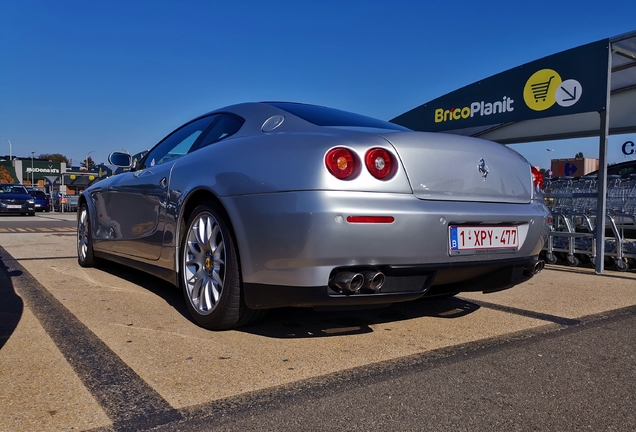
{"points": [[163, 182]]}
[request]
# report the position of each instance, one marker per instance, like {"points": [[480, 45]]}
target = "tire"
{"points": [[584, 259], [621, 265], [572, 261], [85, 254], [209, 273], [550, 258]]}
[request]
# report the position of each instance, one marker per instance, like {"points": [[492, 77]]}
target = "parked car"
{"points": [[42, 200], [14, 198], [67, 203], [623, 169], [71, 202], [264, 205]]}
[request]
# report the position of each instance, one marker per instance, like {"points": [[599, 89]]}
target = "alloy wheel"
{"points": [[82, 234], [204, 263]]}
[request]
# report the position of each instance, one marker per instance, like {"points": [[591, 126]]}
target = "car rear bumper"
{"points": [[403, 283], [297, 239], [22, 209]]}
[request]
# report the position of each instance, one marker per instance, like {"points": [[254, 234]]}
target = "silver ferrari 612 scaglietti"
{"points": [[264, 205]]}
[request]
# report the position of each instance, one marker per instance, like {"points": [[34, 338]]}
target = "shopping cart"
{"points": [[573, 203]]}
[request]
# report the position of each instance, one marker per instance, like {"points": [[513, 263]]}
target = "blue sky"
{"points": [[80, 77]]}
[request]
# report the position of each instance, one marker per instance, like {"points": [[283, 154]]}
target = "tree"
{"points": [[55, 157], [5, 177], [579, 155], [91, 163]]}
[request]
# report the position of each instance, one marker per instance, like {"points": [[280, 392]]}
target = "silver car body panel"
{"points": [[297, 238], [288, 213], [456, 168]]}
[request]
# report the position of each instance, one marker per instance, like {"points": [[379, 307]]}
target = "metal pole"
{"points": [[32, 169], [550, 166], [602, 188], [602, 173]]}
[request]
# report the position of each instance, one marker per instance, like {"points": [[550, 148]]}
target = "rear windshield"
{"points": [[37, 194], [323, 116]]}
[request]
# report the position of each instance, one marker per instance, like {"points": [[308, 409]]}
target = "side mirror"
{"points": [[120, 159]]}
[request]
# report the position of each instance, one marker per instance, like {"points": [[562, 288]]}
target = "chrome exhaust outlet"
{"points": [[373, 280], [534, 267], [347, 282]]}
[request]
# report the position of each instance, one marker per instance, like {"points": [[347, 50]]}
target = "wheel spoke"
{"points": [[207, 300], [210, 227], [218, 253], [195, 251], [216, 288], [197, 275], [217, 278]]}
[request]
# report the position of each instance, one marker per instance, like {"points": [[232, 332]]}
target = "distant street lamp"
{"points": [[550, 152], [10, 149], [32, 168]]}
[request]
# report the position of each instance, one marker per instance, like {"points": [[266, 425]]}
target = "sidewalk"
{"points": [[67, 216]]}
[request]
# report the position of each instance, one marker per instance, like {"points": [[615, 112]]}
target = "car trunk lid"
{"points": [[457, 168]]}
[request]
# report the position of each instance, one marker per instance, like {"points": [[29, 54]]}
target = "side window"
{"points": [[627, 171], [223, 126], [177, 144]]}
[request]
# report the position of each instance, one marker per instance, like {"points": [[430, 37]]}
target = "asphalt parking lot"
{"points": [[114, 349]]}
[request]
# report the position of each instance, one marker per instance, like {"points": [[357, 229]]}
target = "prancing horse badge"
{"points": [[483, 168]]}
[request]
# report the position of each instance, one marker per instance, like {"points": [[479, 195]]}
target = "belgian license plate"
{"points": [[467, 240], [14, 206]]}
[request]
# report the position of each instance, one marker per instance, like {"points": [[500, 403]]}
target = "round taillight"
{"points": [[379, 162], [341, 162], [537, 178]]}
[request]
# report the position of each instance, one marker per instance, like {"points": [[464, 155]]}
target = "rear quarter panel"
{"points": [[279, 162]]}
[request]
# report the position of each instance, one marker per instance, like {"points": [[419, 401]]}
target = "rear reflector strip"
{"points": [[370, 219]]}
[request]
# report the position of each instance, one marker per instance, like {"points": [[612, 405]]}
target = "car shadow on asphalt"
{"points": [[296, 323], [159, 287], [299, 323], [11, 305]]}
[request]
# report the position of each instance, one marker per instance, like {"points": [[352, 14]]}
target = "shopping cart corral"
{"points": [[573, 203]]}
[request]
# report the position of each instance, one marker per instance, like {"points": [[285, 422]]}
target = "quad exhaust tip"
{"points": [[373, 280], [534, 267], [347, 282]]}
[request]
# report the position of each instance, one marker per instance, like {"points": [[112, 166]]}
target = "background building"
{"points": [[53, 177], [574, 167]]}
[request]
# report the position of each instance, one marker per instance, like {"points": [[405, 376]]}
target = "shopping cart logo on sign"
{"points": [[540, 90]]}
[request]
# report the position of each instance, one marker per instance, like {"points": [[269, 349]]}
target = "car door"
{"points": [[137, 199]]}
